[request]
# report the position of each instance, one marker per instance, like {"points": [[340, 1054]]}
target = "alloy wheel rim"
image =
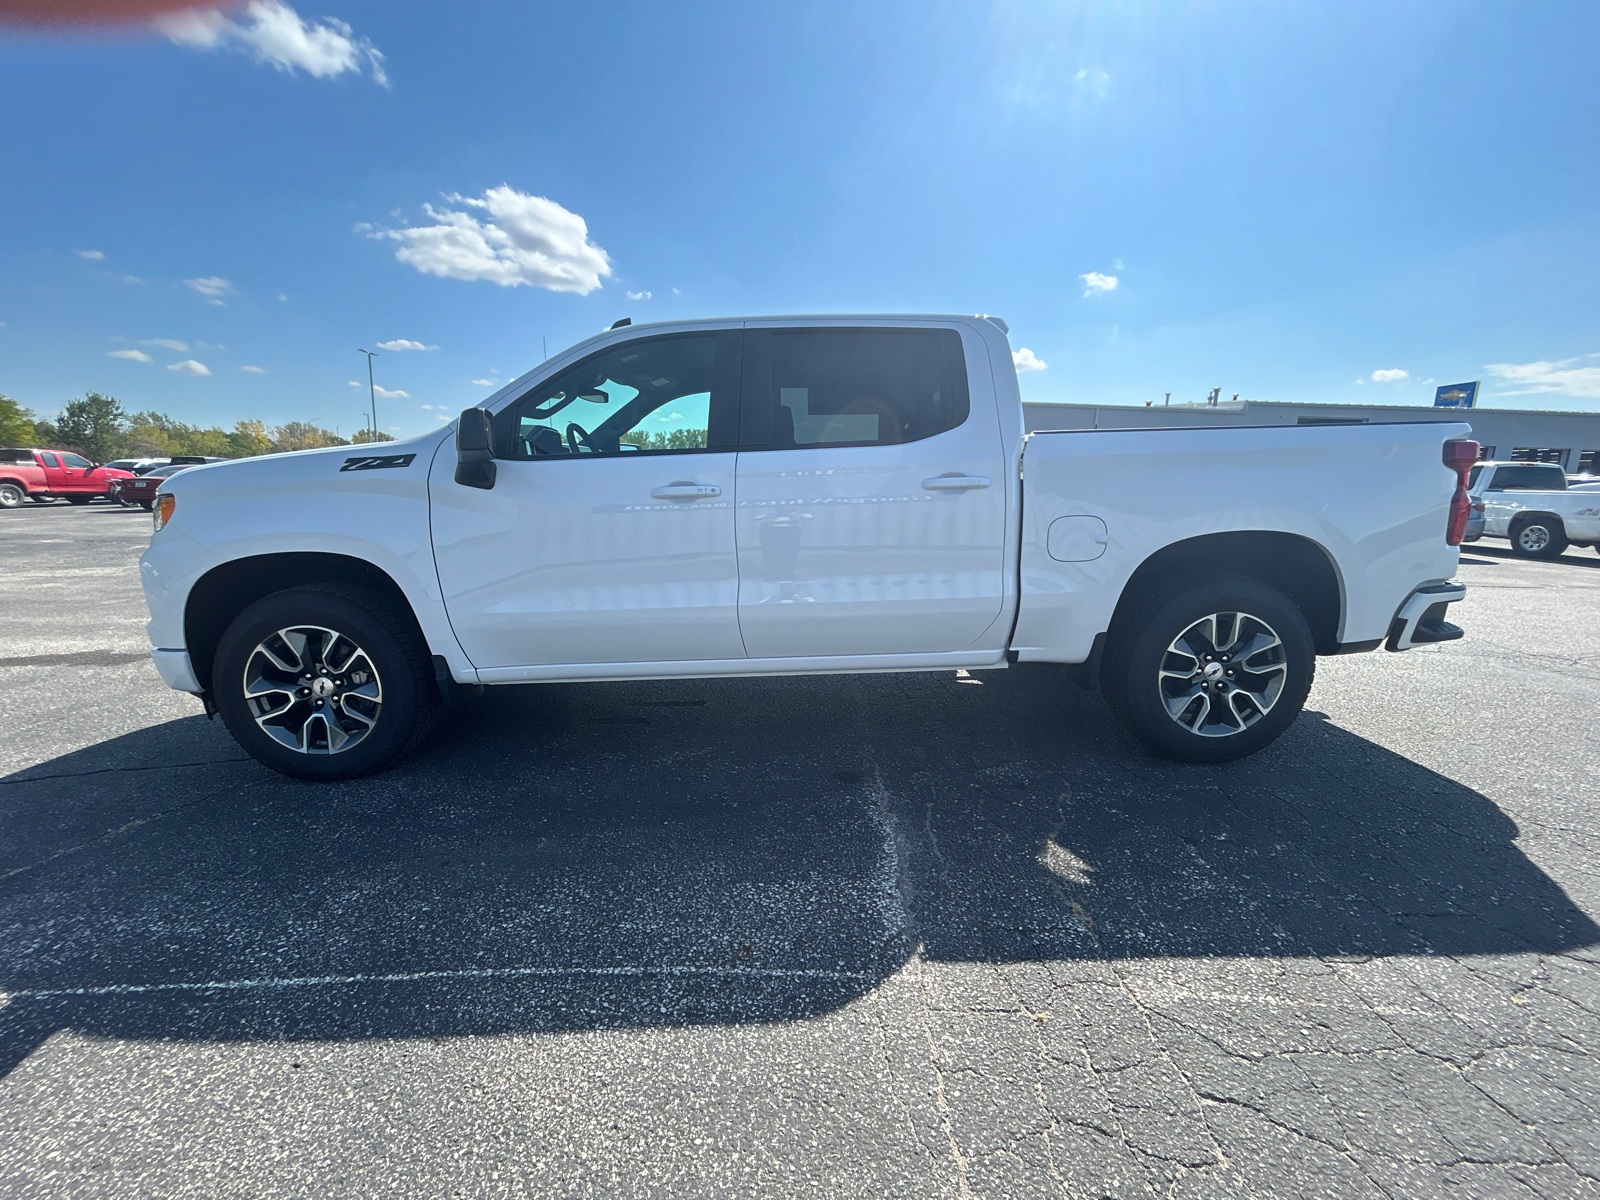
{"points": [[1534, 537], [1222, 674], [312, 689]]}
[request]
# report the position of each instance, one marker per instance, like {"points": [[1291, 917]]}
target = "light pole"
{"points": [[372, 390]]}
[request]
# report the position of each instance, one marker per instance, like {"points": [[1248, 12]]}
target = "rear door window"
{"points": [[49, 460], [1528, 479], [813, 388]]}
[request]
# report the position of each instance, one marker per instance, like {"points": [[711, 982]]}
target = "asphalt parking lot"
{"points": [[842, 936]]}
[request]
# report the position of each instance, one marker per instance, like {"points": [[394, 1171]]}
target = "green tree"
{"points": [[16, 423], [92, 426], [212, 443], [363, 436], [249, 438], [301, 435]]}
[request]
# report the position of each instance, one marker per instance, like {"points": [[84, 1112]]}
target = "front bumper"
{"points": [[176, 670], [1421, 618]]}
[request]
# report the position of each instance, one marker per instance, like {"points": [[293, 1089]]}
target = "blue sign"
{"points": [[1456, 395]]}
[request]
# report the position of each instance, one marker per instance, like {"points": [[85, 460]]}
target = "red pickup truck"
{"points": [[45, 475]]}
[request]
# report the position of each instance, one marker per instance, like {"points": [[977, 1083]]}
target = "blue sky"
{"points": [[1295, 202]]}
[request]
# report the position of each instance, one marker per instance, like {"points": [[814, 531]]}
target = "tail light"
{"points": [[1459, 456]]}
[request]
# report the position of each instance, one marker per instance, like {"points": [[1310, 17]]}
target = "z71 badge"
{"points": [[376, 462]]}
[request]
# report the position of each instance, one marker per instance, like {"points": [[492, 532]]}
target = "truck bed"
{"points": [[1368, 502]]}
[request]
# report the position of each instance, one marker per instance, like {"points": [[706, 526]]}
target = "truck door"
{"points": [[608, 535], [871, 477], [78, 475]]}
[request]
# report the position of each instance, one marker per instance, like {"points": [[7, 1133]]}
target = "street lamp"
{"points": [[372, 390]]}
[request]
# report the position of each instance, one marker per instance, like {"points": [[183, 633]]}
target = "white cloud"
{"points": [[274, 33], [92, 255], [442, 416], [522, 239], [189, 367], [166, 343], [404, 344], [1095, 85], [1096, 284], [386, 394], [485, 383], [282, 297], [675, 416], [1392, 375], [130, 355], [254, 370], [213, 288], [1116, 264], [1026, 360], [638, 295], [1563, 377]]}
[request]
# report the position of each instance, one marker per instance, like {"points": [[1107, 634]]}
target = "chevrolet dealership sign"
{"points": [[1456, 395]]}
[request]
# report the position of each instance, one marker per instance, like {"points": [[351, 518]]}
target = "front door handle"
{"points": [[686, 491], [955, 483]]}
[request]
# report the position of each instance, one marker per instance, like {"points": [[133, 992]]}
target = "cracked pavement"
{"points": [[849, 936]]}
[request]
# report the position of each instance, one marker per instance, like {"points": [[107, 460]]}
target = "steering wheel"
{"points": [[576, 436]]}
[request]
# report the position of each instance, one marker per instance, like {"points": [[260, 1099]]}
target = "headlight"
{"points": [[162, 512]]}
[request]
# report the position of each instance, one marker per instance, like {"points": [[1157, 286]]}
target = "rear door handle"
{"points": [[686, 491], [955, 483]]}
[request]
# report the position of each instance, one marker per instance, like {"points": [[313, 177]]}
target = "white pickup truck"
{"points": [[1533, 505], [791, 495]]}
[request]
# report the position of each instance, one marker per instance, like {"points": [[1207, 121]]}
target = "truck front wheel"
{"points": [[1208, 668], [325, 682]]}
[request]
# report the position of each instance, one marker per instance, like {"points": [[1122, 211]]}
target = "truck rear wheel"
{"points": [[1209, 668], [325, 682], [11, 495], [1538, 537]]}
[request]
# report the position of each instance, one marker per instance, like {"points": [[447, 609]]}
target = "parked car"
{"points": [[1487, 477], [47, 475], [141, 490], [1544, 524], [891, 515], [1535, 505]]}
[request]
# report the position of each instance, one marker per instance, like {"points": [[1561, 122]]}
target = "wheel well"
{"points": [[1522, 518], [1295, 565], [223, 592]]}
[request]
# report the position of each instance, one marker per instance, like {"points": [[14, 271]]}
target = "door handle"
{"points": [[955, 483], [686, 491]]}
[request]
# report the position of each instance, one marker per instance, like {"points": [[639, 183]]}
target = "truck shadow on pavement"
{"points": [[674, 853]]}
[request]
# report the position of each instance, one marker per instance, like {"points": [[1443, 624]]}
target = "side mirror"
{"points": [[475, 465]]}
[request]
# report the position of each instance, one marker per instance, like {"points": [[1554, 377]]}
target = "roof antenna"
{"points": [[624, 321]]}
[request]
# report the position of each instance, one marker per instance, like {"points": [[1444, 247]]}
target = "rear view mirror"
{"points": [[475, 465], [595, 397]]}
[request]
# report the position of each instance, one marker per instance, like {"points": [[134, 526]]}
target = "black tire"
{"points": [[1538, 537], [1252, 707], [147, 505], [12, 494], [389, 643], [79, 498]]}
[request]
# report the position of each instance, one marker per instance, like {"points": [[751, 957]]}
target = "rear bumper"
{"points": [[1421, 618], [176, 670]]}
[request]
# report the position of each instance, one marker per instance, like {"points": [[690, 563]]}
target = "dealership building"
{"points": [[1571, 439]]}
